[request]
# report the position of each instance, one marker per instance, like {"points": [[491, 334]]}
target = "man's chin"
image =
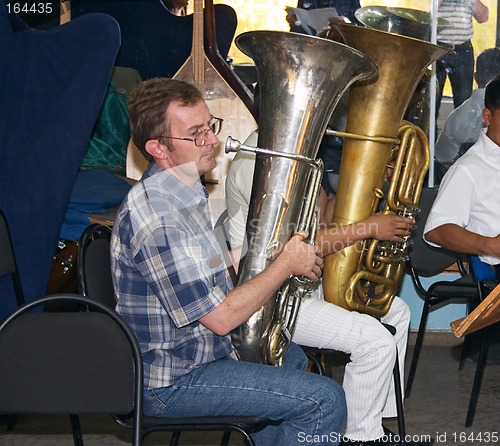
{"points": [[208, 165]]}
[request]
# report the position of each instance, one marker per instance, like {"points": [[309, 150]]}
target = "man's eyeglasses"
{"points": [[200, 138]]}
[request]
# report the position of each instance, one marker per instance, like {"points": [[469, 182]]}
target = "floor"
{"points": [[436, 407]]}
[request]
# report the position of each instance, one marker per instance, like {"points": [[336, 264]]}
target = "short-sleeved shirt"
{"points": [[459, 14], [469, 194], [168, 272]]}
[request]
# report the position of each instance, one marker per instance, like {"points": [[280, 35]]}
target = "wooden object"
{"points": [[65, 14], [485, 314], [225, 94]]}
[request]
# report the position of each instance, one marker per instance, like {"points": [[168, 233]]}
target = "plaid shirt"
{"points": [[168, 272]]}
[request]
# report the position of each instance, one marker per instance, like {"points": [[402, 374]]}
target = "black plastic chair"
{"points": [[94, 273], [8, 263], [427, 261], [8, 267], [70, 362], [317, 356]]}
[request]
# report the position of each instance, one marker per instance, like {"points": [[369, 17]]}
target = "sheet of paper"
{"points": [[313, 20]]}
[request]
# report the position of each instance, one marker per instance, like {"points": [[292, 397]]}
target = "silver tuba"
{"points": [[301, 79]]}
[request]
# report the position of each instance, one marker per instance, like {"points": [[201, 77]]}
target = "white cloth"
{"points": [[463, 125], [469, 194], [368, 382]]}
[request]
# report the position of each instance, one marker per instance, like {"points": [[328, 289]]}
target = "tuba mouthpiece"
{"points": [[232, 145]]}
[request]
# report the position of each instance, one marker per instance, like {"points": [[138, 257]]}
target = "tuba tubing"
{"points": [[375, 114], [301, 80]]}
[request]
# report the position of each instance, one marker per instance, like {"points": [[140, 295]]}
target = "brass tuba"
{"points": [[367, 275], [301, 79]]}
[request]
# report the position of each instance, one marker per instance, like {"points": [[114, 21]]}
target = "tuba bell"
{"points": [[301, 79], [366, 276]]}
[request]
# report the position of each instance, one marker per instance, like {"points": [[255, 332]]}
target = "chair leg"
{"points": [[77, 431], [478, 377], [463, 352], [418, 347], [174, 441], [317, 365], [12, 421], [225, 438], [467, 338], [399, 402]]}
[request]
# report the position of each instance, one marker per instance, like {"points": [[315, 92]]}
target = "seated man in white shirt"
{"points": [[466, 214], [368, 382]]}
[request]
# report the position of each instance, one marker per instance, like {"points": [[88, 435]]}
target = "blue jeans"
{"points": [[308, 409], [459, 67]]}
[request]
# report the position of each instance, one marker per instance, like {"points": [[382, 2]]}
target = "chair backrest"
{"points": [[482, 272], [70, 362], [425, 259], [94, 265], [8, 264]]}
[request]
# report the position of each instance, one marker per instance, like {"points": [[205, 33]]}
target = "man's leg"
{"points": [[309, 409], [462, 74], [399, 317], [368, 376]]}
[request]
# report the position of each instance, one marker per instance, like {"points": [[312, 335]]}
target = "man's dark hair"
{"points": [[148, 105], [492, 95], [487, 66]]}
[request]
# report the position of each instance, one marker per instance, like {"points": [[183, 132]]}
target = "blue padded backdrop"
{"points": [[52, 84], [156, 42]]}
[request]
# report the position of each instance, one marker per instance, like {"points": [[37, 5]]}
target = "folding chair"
{"points": [[70, 363]]}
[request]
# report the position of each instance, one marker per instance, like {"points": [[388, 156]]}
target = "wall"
{"points": [[440, 318]]}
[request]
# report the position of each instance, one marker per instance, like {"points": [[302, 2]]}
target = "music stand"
{"points": [[485, 314]]}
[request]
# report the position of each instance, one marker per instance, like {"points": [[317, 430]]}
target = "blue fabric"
{"points": [[52, 84], [156, 42], [95, 191], [482, 271]]}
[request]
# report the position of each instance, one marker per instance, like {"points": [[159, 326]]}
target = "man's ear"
{"points": [[155, 149], [486, 116]]}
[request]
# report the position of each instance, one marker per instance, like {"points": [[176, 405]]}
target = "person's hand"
{"points": [[291, 18], [302, 259], [389, 227]]}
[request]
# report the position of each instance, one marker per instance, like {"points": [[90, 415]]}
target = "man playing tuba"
{"points": [[368, 382], [174, 291]]}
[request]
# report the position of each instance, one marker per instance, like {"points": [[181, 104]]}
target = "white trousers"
{"points": [[368, 379]]}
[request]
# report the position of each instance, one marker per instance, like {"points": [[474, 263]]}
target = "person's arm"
{"points": [[297, 258], [480, 11], [458, 239], [463, 125], [326, 205], [378, 226]]}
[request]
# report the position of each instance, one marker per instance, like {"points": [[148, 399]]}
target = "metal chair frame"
{"points": [[59, 373], [8, 263]]}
